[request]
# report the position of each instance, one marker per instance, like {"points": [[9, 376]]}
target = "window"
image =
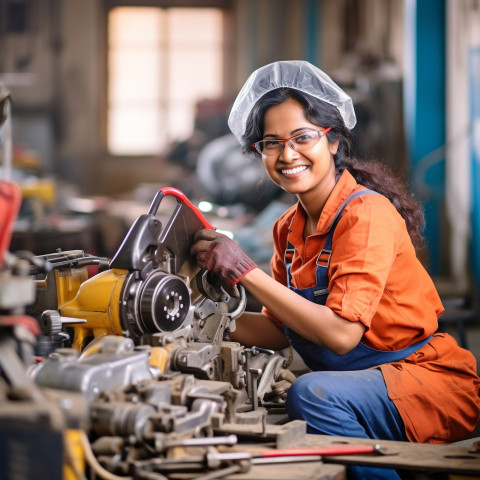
{"points": [[161, 61]]}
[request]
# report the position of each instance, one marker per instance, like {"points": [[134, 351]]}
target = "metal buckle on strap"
{"points": [[325, 262], [288, 255]]}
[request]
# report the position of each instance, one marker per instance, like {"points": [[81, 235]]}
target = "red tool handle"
{"points": [[181, 197], [10, 200], [325, 451]]}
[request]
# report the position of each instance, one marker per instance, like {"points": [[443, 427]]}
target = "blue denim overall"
{"points": [[319, 358], [343, 395]]}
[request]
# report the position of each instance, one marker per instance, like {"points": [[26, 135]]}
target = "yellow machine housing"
{"points": [[97, 301]]}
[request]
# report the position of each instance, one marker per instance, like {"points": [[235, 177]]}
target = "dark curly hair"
{"points": [[370, 174]]}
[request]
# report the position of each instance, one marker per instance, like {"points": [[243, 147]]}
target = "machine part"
{"points": [[94, 373], [215, 318], [171, 243], [202, 359], [120, 419], [262, 366], [14, 340], [58, 284], [95, 465], [199, 417], [97, 301], [16, 292], [202, 442], [254, 374], [164, 302], [150, 417], [233, 358], [274, 365], [46, 344], [160, 356], [158, 303], [226, 471], [74, 455], [212, 459], [284, 436], [51, 322]]}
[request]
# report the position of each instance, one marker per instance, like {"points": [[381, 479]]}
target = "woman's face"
{"points": [[297, 172]]}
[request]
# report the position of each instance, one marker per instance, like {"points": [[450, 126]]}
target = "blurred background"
{"points": [[112, 100]]}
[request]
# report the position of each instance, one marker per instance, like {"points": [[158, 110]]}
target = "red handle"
{"points": [[325, 451], [10, 200], [180, 196]]}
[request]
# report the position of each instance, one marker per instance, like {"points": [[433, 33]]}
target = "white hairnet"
{"points": [[296, 74]]}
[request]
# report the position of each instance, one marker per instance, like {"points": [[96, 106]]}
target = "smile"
{"points": [[293, 171]]}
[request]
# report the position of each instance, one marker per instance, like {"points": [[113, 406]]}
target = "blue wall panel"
{"points": [[311, 33], [474, 87], [425, 116]]}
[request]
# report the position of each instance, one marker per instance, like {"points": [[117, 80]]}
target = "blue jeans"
{"points": [[348, 404]]}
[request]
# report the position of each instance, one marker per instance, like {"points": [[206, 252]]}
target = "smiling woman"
{"points": [[153, 54], [347, 290]]}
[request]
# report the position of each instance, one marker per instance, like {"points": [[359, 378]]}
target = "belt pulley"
{"points": [[159, 303], [164, 302]]}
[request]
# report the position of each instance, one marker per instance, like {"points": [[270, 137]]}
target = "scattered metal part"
{"points": [[226, 471], [283, 436], [202, 442], [255, 374], [51, 322]]}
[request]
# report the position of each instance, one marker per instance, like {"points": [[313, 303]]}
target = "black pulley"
{"points": [[164, 303]]}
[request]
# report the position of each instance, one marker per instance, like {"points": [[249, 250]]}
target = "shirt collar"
{"points": [[341, 191]]}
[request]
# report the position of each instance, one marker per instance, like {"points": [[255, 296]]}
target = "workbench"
{"points": [[455, 461]]}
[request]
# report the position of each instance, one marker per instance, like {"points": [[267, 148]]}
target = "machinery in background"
{"points": [[218, 174], [144, 343], [39, 428]]}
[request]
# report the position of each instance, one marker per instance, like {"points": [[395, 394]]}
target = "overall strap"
{"points": [[327, 249], [288, 256]]}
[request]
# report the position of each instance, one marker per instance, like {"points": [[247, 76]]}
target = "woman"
{"points": [[347, 290]]}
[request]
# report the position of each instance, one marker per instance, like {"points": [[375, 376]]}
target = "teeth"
{"points": [[292, 171]]}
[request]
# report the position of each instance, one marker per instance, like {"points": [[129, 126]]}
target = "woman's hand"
{"points": [[221, 255]]}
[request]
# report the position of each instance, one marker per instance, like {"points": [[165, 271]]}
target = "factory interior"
{"points": [[114, 129]]}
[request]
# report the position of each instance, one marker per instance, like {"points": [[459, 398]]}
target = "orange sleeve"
{"points": [[366, 243]]}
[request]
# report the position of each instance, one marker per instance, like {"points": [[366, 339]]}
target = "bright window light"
{"points": [[161, 62]]}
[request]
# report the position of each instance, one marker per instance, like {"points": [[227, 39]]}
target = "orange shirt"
{"points": [[375, 278]]}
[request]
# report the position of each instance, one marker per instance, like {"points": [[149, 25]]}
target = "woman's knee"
{"points": [[308, 389], [313, 398]]}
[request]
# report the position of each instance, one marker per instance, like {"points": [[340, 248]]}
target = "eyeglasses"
{"points": [[299, 143]]}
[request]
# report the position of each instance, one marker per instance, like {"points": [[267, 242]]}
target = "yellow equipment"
{"points": [[152, 291]]}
